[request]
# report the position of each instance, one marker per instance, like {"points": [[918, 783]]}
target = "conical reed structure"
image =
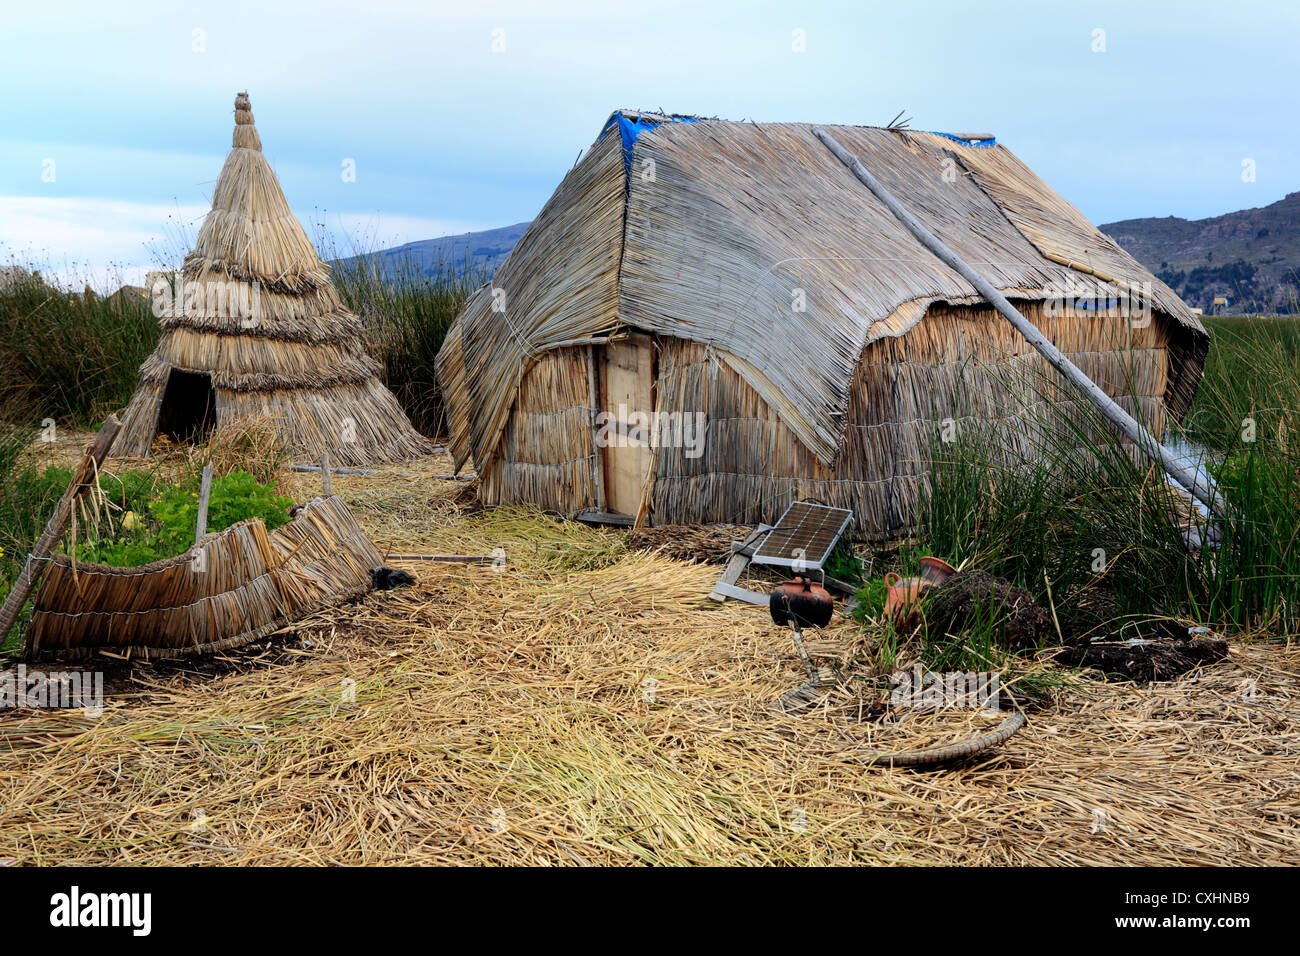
{"points": [[254, 327]]}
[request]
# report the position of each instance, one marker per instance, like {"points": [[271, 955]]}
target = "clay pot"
{"points": [[936, 570], [808, 604], [904, 598]]}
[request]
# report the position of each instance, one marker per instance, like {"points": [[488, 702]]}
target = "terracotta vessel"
{"points": [[904, 597], [936, 570]]}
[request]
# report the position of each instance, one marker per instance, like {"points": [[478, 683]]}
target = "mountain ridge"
{"points": [[458, 253], [1251, 257]]}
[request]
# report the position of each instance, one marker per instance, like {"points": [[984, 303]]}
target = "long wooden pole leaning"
{"points": [[57, 525], [1189, 477]]}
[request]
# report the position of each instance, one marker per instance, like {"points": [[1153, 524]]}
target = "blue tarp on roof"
{"points": [[967, 142], [630, 129]]}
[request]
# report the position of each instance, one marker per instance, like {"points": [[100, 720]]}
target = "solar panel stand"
{"points": [[742, 552], [803, 538]]}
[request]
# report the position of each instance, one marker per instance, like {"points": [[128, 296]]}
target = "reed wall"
{"points": [[963, 363], [248, 583], [545, 456]]}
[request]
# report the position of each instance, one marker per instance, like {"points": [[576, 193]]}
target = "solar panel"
{"points": [[804, 537]]}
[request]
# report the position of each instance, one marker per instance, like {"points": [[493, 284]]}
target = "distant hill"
{"points": [[1252, 257], [483, 251]]}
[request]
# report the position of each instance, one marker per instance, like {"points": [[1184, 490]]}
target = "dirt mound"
{"points": [[969, 598], [1145, 661]]}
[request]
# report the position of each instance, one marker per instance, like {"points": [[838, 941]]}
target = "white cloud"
{"points": [[101, 241], [107, 242]]}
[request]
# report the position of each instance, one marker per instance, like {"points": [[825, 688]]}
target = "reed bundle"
{"points": [[259, 319], [822, 341], [237, 585], [607, 714]]}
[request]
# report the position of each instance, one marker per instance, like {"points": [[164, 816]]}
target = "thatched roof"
{"points": [[128, 295], [300, 358], [708, 230]]}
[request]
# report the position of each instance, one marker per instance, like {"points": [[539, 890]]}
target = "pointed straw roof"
{"points": [[251, 234], [300, 359]]}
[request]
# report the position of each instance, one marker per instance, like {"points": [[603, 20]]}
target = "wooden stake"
{"points": [[448, 558], [205, 493], [1190, 478], [86, 472], [326, 482]]}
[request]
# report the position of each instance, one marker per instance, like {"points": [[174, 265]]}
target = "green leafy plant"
{"points": [[235, 497], [164, 526], [844, 564], [871, 600]]}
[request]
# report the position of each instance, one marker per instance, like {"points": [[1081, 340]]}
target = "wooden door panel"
{"points": [[627, 385]]}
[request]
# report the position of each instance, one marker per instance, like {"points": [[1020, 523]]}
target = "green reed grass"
{"points": [[1090, 527], [27, 499], [1253, 373], [407, 308], [69, 356]]}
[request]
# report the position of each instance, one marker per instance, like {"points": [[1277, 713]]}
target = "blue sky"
{"points": [[133, 106]]}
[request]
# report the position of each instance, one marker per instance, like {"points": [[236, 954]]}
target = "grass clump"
{"points": [[1251, 385], [406, 309], [1062, 506], [255, 444], [1095, 531], [70, 357], [13, 519]]}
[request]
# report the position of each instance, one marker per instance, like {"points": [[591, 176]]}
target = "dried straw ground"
{"points": [[503, 718]]}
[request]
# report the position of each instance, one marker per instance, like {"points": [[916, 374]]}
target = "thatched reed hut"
{"points": [[253, 327], [739, 272], [235, 586]]}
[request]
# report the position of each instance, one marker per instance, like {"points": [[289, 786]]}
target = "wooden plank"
{"points": [[87, 471], [603, 517], [835, 584], [740, 594], [627, 384]]}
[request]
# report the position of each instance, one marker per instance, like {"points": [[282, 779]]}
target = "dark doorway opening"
{"points": [[189, 407]]}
